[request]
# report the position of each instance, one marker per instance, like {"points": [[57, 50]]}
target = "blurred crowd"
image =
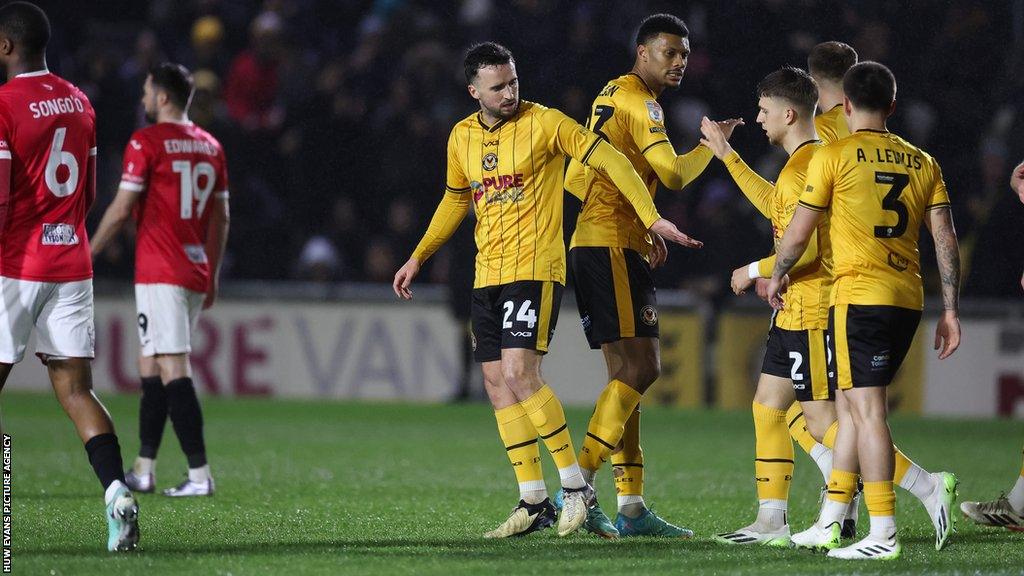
{"points": [[335, 113]]}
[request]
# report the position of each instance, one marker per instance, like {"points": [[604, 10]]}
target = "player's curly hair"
{"points": [[485, 54], [661, 24], [831, 60], [27, 26], [870, 86], [793, 85]]}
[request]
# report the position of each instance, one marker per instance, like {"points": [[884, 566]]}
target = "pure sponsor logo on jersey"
{"points": [[898, 262], [175, 146], [502, 189], [54, 106], [490, 161], [649, 315], [59, 235], [654, 111]]}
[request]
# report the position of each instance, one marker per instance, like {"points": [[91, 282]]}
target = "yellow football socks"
{"points": [[545, 411], [520, 438], [614, 407], [773, 453]]}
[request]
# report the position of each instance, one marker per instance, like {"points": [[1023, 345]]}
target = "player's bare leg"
{"points": [[187, 419], [773, 465], [520, 368], [826, 532], [152, 420], [72, 384], [869, 413], [534, 511]]}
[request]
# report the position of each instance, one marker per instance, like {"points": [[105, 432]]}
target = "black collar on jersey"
{"points": [[873, 130], [834, 107], [638, 77], [811, 141], [497, 124]]}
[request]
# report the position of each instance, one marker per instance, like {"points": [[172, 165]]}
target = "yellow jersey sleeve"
{"points": [[589, 149], [821, 174], [449, 214], [758, 190], [456, 180], [644, 119], [939, 196], [645, 122]]}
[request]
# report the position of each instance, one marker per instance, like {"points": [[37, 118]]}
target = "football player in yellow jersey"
{"points": [[877, 189], [794, 366], [506, 161], [1007, 510], [827, 63], [610, 261]]}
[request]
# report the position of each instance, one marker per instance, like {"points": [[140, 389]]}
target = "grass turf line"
{"points": [[330, 488]]}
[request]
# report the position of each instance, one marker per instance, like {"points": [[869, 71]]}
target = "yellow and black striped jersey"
{"points": [[831, 124], [878, 188], [811, 277], [626, 113], [512, 174]]}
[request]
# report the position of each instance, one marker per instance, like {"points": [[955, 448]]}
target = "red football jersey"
{"points": [[47, 178], [178, 169]]}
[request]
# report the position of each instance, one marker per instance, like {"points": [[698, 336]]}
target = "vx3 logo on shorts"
{"points": [[522, 334]]}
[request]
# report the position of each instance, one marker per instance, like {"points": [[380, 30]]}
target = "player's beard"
{"points": [[505, 113]]}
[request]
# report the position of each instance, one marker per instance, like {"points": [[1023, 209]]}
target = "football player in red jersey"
{"points": [[47, 182], [175, 181]]}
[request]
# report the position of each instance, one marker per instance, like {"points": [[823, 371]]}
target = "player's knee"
{"points": [[518, 377], [816, 427]]}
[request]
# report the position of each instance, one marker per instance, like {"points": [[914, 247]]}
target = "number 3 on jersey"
{"points": [[191, 189]]}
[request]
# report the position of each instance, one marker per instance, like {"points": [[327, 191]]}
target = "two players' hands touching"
{"points": [[717, 134]]}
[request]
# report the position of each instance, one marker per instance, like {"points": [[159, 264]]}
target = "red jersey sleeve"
{"points": [[137, 165]]}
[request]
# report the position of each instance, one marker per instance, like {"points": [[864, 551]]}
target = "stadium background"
{"points": [[334, 116]]}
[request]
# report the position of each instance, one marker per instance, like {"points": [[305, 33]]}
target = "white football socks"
{"points": [[771, 513], [822, 456], [533, 491], [572, 476], [918, 482], [199, 475], [144, 466], [1016, 496]]}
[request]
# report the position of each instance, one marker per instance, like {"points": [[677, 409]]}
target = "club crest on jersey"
{"points": [[490, 161], [897, 262], [654, 111], [649, 315]]}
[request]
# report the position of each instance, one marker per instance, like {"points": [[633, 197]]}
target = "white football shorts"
{"points": [[61, 312], [167, 316]]}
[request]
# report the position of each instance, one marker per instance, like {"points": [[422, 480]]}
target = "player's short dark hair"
{"points": [[485, 54], [870, 86], [661, 24], [175, 80], [791, 84], [831, 60], [27, 26]]}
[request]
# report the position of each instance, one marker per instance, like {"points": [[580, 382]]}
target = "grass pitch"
{"points": [[344, 488]]}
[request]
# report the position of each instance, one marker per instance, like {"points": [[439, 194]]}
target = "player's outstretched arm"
{"points": [[947, 254], [119, 211], [216, 242], [789, 250], [1017, 181], [675, 172], [758, 190], [449, 214], [606, 158]]}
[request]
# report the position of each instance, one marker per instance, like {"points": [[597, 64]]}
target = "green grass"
{"points": [[331, 488]]}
